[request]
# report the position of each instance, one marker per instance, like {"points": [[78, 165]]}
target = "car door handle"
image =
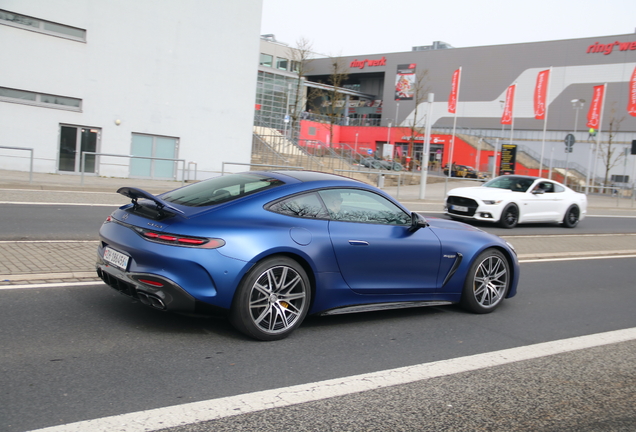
{"points": [[358, 243]]}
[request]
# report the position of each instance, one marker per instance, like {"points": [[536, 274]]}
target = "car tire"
{"points": [[571, 217], [509, 216], [487, 282], [272, 300]]}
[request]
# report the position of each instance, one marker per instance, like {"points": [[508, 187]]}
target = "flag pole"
{"points": [[545, 122], [512, 112], [598, 133], [452, 149]]}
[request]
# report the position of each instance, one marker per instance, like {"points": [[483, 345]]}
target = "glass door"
{"points": [[73, 141]]}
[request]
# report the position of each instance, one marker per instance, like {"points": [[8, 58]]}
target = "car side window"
{"points": [[547, 187], [306, 206], [354, 205], [558, 188]]}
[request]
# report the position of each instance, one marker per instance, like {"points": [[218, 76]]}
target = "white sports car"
{"points": [[513, 199]]}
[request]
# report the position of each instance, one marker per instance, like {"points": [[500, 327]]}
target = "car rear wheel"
{"points": [[571, 218], [509, 216], [272, 300], [487, 282]]}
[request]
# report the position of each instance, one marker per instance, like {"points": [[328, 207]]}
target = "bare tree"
{"points": [[301, 57], [607, 153], [331, 98], [421, 88]]}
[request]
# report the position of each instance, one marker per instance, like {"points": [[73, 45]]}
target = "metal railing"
{"points": [[31, 159], [380, 173], [83, 162], [195, 170]]}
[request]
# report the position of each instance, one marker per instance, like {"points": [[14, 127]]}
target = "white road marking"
{"points": [[49, 241], [49, 285], [75, 192], [172, 416], [62, 204], [567, 235], [609, 216], [581, 258]]}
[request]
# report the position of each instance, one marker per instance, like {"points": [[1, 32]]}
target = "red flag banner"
{"points": [[452, 98], [631, 104], [540, 94], [594, 114], [506, 118]]}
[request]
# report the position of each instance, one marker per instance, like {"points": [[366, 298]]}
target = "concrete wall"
{"points": [[180, 69]]}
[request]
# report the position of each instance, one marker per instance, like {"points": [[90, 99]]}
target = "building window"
{"points": [[153, 146], [42, 26], [295, 66], [40, 99], [281, 63], [276, 96], [266, 60]]}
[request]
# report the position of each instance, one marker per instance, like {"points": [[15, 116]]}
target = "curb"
{"points": [[26, 278]]}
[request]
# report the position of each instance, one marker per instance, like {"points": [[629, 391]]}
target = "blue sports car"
{"points": [[266, 248]]}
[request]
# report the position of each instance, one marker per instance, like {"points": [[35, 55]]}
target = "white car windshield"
{"points": [[513, 183]]}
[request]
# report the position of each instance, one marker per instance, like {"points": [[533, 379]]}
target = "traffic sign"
{"points": [[569, 143]]}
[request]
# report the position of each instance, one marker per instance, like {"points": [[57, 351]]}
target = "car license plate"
{"points": [[460, 208], [115, 258]]}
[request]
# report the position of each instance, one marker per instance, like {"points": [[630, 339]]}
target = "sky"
{"points": [[356, 27]]}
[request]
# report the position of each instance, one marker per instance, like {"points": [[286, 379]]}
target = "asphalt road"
{"points": [[74, 353], [80, 352]]}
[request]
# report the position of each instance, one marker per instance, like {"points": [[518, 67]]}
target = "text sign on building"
{"points": [[607, 49], [360, 64]]}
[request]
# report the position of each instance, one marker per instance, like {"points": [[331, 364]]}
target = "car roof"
{"points": [[311, 176], [523, 176]]}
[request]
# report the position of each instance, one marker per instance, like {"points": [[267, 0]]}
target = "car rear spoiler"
{"points": [[135, 193]]}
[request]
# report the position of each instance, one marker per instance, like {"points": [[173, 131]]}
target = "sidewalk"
{"points": [[68, 261]]}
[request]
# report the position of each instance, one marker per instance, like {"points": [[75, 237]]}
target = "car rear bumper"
{"points": [[152, 290]]}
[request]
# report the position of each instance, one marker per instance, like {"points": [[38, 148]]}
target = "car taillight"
{"points": [[175, 240], [151, 282]]}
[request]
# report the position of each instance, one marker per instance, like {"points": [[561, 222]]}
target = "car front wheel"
{"points": [[272, 300], [487, 282], [509, 216], [571, 218]]}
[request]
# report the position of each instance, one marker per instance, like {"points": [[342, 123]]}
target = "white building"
{"points": [[173, 80]]}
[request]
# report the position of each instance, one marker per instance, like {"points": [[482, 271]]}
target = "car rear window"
{"points": [[221, 189]]}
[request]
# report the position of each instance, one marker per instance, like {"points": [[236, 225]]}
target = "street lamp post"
{"points": [[388, 136], [355, 148], [426, 145]]}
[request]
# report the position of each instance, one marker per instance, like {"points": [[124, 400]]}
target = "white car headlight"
{"points": [[491, 202]]}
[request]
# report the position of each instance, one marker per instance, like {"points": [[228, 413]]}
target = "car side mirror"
{"points": [[417, 222], [538, 191]]}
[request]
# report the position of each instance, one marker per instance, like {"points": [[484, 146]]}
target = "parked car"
{"points": [[513, 199], [268, 248], [381, 164], [371, 163], [463, 171]]}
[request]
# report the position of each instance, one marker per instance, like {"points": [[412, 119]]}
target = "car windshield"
{"points": [[515, 184], [221, 189]]}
